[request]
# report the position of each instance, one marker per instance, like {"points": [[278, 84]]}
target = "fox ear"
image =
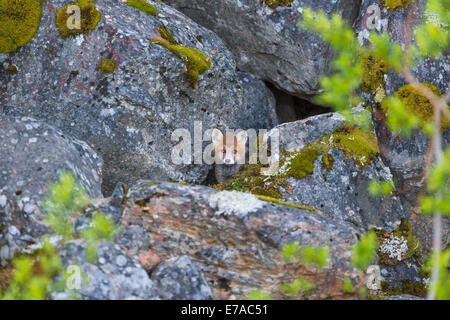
{"points": [[241, 137], [217, 136]]}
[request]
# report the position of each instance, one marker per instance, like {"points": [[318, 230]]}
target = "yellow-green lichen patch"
{"points": [[374, 69], [355, 143], [278, 3], [396, 4], [107, 66], [293, 205], [398, 245], [19, 22], [418, 289], [327, 162], [89, 19], [418, 104], [12, 69], [142, 5], [196, 62]]}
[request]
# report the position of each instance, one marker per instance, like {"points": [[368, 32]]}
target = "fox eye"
{"points": [[224, 151], [234, 151]]}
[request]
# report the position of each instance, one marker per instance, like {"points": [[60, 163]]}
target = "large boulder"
{"points": [[234, 240], [112, 276], [400, 22], [33, 155], [405, 155], [128, 116], [266, 39], [326, 164]]}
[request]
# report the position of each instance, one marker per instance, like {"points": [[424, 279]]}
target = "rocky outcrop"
{"points": [[33, 155], [234, 239], [405, 156], [326, 164], [128, 115], [267, 41]]}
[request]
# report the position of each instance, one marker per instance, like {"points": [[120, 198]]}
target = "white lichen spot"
{"points": [[2, 200], [234, 203], [395, 247]]}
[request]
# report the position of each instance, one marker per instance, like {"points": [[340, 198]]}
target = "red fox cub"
{"points": [[229, 153]]}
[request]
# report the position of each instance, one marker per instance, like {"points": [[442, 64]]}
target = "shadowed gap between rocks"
{"points": [[291, 108]]}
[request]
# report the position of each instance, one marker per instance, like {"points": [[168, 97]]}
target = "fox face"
{"points": [[229, 148]]}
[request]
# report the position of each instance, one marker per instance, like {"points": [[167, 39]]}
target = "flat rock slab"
{"points": [[235, 238]]}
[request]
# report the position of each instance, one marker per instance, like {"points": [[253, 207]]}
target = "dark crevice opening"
{"points": [[291, 108]]}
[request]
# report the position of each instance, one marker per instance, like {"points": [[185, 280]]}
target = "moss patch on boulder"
{"points": [[374, 69], [413, 249], [396, 4], [11, 69], [89, 19], [278, 3], [418, 104], [107, 66], [19, 23], [355, 143], [298, 206], [142, 5], [196, 62], [418, 289]]}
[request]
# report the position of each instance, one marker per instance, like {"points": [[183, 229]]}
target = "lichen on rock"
{"points": [[107, 66], [89, 18], [11, 69], [278, 3], [418, 104], [142, 5], [374, 69], [396, 4], [196, 62], [234, 203], [397, 246], [19, 22]]}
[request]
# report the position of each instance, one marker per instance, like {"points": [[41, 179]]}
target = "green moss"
{"points": [[196, 62], [303, 163], [404, 230], [418, 289], [142, 5], [293, 205], [395, 4], [424, 273], [19, 23], [327, 162], [374, 69], [90, 17], [418, 104], [107, 66], [355, 143], [278, 3], [12, 69]]}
